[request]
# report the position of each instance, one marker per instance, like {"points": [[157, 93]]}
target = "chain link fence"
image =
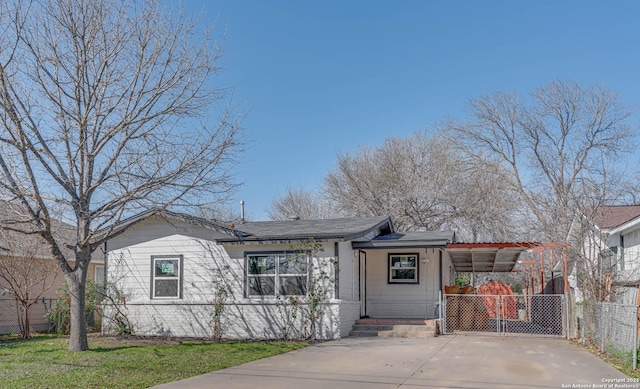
{"points": [[612, 328], [11, 317], [540, 315]]}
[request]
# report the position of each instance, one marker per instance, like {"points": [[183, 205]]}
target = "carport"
{"points": [[495, 308]]}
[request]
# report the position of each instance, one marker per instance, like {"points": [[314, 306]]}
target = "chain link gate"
{"points": [[542, 315]]}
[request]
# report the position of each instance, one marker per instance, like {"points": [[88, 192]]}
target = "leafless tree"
{"points": [[423, 182], [405, 178], [27, 271], [301, 204], [563, 134], [107, 108]]}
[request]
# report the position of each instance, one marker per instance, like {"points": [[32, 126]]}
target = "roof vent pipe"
{"points": [[242, 211]]}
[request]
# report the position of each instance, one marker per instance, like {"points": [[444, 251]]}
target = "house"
{"points": [[176, 271], [28, 270], [611, 243], [171, 266]]}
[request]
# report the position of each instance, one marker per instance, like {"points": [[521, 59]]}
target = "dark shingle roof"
{"points": [[322, 229], [125, 224], [409, 239]]}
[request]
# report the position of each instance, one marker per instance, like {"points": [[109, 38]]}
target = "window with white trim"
{"points": [[403, 268], [98, 276], [276, 274], [166, 276]]}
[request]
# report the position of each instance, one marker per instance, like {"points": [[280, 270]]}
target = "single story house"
{"points": [[173, 268]]}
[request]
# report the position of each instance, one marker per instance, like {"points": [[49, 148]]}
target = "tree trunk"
{"points": [[26, 331], [78, 331]]}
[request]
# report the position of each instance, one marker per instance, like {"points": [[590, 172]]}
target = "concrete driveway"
{"points": [[452, 361]]}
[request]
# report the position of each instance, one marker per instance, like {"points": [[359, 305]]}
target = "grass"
{"points": [[45, 362], [622, 361]]}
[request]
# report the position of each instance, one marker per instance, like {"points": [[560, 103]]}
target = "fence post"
{"points": [[604, 329], [498, 322], [635, 340]]}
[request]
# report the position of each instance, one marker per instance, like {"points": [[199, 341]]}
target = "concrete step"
{"points": [[368, 329], [409, 331], [363, 333], [407, 334], [372, 327], [389, 329]]}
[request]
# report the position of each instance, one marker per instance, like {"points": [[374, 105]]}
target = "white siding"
{"points": [[347, 272], [205, 265], [631, 254], [386, 300]]}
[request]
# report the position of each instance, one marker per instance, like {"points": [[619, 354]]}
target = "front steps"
{"points": [[395, 328]]}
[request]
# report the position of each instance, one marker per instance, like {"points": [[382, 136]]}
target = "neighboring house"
{"points": [[611, 237], [19, 247], [170, 267]]}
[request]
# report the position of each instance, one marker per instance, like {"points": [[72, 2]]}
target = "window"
{"points": [[98, 277], [403, 268], [166, 276], [277, 274]]}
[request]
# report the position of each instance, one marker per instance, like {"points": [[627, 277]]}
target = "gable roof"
{"points": [[611, 217], [320, 230], [127, 223], [271, 231]]}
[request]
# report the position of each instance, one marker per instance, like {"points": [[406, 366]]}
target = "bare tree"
{"points": [[565, 133], [485, 207], [423, 182], [27, 270], [404, 177], [301, 204], [107, 108]]}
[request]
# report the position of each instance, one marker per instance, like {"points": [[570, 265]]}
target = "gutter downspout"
{"points": [[336, 271]]}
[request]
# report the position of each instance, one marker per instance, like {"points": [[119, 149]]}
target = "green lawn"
{"points": [[44, 361]]}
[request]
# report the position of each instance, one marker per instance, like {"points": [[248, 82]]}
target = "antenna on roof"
{"points": [[242, 211]]}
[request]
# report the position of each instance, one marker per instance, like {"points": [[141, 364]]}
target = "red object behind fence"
{"points": [[508, 305]]}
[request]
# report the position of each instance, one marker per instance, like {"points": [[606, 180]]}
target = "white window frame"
{"points": [[178, 279], [99, 269], [277, 275], [391, 268]]}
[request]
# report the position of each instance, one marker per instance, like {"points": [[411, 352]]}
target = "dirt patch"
{"points": [[119, 341]]}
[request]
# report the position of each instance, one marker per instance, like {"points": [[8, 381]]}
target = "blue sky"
{"points": [[325, 77]]}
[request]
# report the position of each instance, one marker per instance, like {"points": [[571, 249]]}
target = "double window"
{"points": [[166, 276], [403, 268], [277, 274]]}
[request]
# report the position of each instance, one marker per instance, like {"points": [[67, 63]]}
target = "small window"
{"points": [[166, 277], [280, 274], [98, 277], [403, 268]]}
